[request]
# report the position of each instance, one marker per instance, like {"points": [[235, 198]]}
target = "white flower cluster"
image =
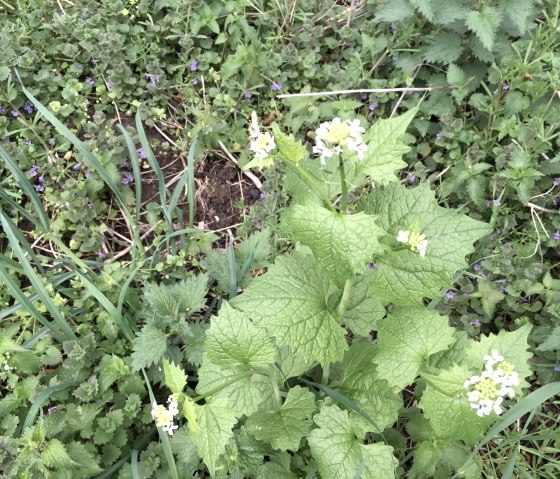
{"points": [[261, 143], [416, 241], [331, 136], [164, 416], [487, 391]]}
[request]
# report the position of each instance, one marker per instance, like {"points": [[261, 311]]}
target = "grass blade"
{"points": [[135, 168], [119, 319], [40, 400], [35, 280], [232, 270], [163, 436], [134, 464], [190, 186], [23, 182], [89, 158]]}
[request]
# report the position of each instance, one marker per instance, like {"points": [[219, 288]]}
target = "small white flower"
{"points": [[331, 136], [164, 416], [261, 143], [493, 358], [403, 236]]}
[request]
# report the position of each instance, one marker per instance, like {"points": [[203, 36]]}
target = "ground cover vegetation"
{"points": [[203, 278]]}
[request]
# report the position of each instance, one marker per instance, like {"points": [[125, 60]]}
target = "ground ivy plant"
{"points": [[319, 356]]}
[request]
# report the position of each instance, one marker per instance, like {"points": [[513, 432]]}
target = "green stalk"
{"points": [[309, 181], [345, 298], [343, 185], [230, 381]]}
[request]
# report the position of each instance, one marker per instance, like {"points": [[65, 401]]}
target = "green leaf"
{"points": [[485, 24], [215, 421], [291, 302], [405, 340], [361, 384], [552, 342], [425, 7], [363, 310], [111, 368], [489, 296], [288, 147], [175, 378], [278, 467], [339, 453], [445, 47], [394, 11], [384, 154], [55, 455], [448, 410], [426, 458], [455, 75], [149, 347], [342, 244], [234, 340], [283, 428], [402, 275], [244, 395], [513, 346]]}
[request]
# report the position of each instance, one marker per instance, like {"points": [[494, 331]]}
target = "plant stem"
{"points": [[345, 298], [277, 398], [343, 185], [310, 181], [232, 380], [326, 373]]}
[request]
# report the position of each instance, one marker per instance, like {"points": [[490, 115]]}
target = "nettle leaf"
{"points": [[363, 309], [402, 275], [448, 410], [291, 302], [425, 7], [512, 346], [244, 396], [338, 452], [405, 340], [215, 420], [445, 47], [361, 384], [283, 428], [291, 149], [149, 347], [426, 457], [278, 467], [342, 244], [394, 10], [175, 378], [234, 340], [385, 148], [485, 24]]}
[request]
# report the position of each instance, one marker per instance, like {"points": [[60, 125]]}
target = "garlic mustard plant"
{"points": [[487, 391], [261, 144], [332, 136], [416, 241], [164, 415]]}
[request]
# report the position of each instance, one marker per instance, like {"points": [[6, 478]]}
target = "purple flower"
{"points": [[27, 142], [85, 15], [557, 235], [80, 65], [498, 232], [141, 153], [108, 84], [127, 179], [502, 288], [257, 223], [450, 294], [248, 95], [194, 65], [89, 81], [2, 109], [101, 255], [41, 179], [502, 280], [372, 265], [28, 108], [124, 164], [15, 112], [52, 141], [194, 81], [373, 106], [556, 181], [33, 171], [90, 205], [438, 136], [477, 267], [39, 188], [276, 86], [88, 174], [262, 197], [476, 323], [411, 177], [154, 79], [51, 410], [364, 96], [78, 166], [505, 86], [94, 61], [557, 369], [495, 202]]}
